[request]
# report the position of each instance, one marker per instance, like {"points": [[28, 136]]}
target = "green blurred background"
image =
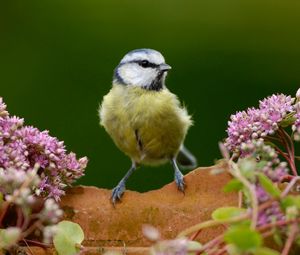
{"points": [[57, 59]]}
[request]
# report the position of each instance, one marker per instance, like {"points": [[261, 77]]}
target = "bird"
{"points": [[144, 118]]}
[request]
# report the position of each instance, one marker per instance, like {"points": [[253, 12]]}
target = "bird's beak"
{"points": [[164, 67]]}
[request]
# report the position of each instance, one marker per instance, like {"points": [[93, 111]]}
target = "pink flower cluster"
{"points": [[270, 165], [22, 147], [272, 213], [258, 122]]}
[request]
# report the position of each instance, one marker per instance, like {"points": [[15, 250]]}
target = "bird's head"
{"points": [[144, 68]]}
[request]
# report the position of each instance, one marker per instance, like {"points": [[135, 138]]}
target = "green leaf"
{"points": [[9, 236], [244, 223], [247, 167], [193, 246], [226, 213], [288, 120], [265, 251], [289, 201], [233, 185], [69, 235], [268, 185], [277, 238], [244, 239]]}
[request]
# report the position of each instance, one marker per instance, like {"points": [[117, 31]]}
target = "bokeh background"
{"points": [[57, 59]]}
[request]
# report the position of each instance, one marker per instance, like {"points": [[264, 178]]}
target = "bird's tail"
{"points": [[186, 159]]}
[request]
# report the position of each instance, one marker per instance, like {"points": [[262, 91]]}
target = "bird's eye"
{"points": [[145, 63]]}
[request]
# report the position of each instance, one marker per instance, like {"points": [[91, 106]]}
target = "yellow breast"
{"points": [[148, 126]]}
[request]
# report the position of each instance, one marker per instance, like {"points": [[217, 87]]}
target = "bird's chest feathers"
{"points": [[149, 108], [145, 124]]}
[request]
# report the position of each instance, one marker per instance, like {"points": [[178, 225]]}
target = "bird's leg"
{"points": [[118, 191], [178, 176]]}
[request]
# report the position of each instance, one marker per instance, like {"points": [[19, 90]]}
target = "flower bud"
{"points": [[298, 94]]}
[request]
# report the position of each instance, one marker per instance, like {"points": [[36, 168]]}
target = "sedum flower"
{"points": [[18, 189], [3, 111], [151, 233], [269, 162], [21, 147], [296, 125], [48, 233], [11, 180], [171, 247], [51, 212], [257, 122]]}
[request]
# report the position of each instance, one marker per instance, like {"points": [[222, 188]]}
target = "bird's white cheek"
{"points": [[129, 74], [137, 76], [149, 76]]}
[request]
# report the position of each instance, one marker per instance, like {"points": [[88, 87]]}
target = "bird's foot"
{"points": [[179, 180], [117, 192]]}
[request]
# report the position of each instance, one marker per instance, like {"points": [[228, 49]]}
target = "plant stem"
{"points": [[20, 217], [290, 186], [212, 223], [221, 251], [240, 203], [268, 233], [291, 237], [33, 227], [284, 154], [288, 137], [277, 224], [289, 145], [28, 247], [213, 243], [4, 208], [287, 178], [196, 235], [235, 171], [36, 243]]}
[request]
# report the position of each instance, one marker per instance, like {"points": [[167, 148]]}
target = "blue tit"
{"points": [[145, 120]]}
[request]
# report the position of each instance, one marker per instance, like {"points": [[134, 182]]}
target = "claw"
{"points": [[179, 181], [117, 192]]}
